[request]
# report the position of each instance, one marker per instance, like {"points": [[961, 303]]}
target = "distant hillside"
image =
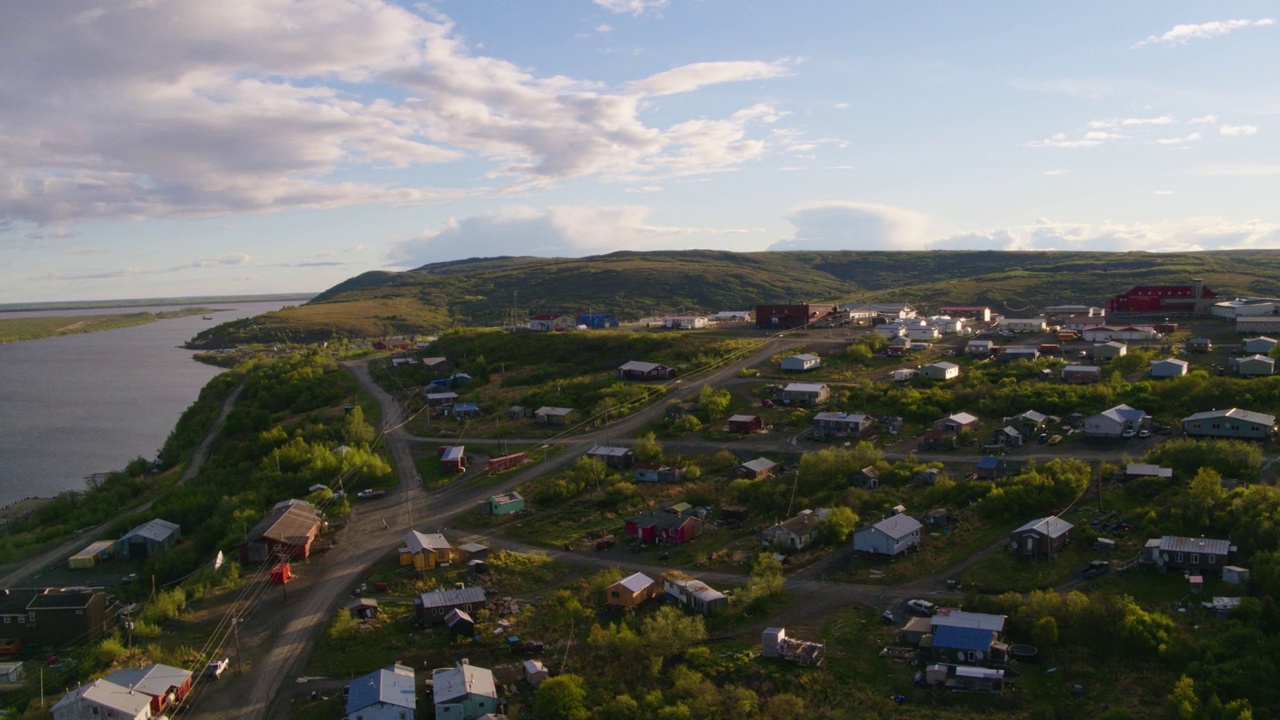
{"points": [[632, 285]]}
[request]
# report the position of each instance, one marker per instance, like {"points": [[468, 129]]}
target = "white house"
{"points": [[1110, 350], [101, 699], [1106, 333], [904, 374], [1253, 325], [1245, 307], [891, 330], [386, 694], [1116, 422], [463, 692], [1262, 345], [684, 322], [981, 348], [1169, 367], [1255, 366], [1023, 324], [801, 363], [891, 536], [941, 371], [925, 333]]}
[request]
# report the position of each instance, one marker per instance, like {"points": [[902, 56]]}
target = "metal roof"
{"points": [[759, 464], [1233, 414], [156, 530], [962, 418], [453, 453], [1210, 546], [1124, 413], [415, 542], [462, 680], [898, 526], [609, 451], [640, 366], [636, 583], [742, 418], [805, 387], [451, 597], [804, 356], [973, 639], [1051, 526], [107, 695], [958, 618], [153, 680]]}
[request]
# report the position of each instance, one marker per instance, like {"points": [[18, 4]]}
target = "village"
{"points": [[913, 469]]}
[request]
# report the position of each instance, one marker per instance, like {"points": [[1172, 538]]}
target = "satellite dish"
{"points": [[960, 655], [979, 654]]}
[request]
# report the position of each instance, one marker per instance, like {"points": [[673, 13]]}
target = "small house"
{"points": [[953, 424], [979, 348], [640, 370], [795, 533], [365, 608], [1235, 575], [890, 537], [597, 321], [1232, 423], [519, 412], [534, 672], [755, 469], [440, 400], [613, 456], [668, 526], [387, 694], [904, 374], [651, 473], [1261, 345], [1028, 423], [437, 365], [774, 643], [868, 478], [286, 533], [1199, 344], [1023, 324], [547, 415], [804, 394], [693, 594], [684, 322], [432, 606], [63, 616], [630, 592], [1045, 537], [1106, 352], [991, 467], [941, 371], [427, 551], [732, 316], [1172, 552], [1255, 366], [832, 425], [551, 322], [465, 411], [1168, 367], [505, 503], [463, 692], [150, 538], [745, 424], [101, 698], [460, 623], [1081, 374], [165, 686], [1014, 353], [453, 458], [801, 363], [1119, 421], [1141, 470]]}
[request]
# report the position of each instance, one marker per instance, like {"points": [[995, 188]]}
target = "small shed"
{"points": [[281, 574], [1235, 574], [801, 363], [363, 608], [535, 672], [1044, 537], [453, 458], [505, 503], [745, 423], [460, 623]]}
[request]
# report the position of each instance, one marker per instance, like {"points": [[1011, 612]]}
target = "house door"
{"points": [[1031, 545]]}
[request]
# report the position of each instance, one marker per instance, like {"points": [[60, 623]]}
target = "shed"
{"points": [[1041, 538], [801, 363], [745, 423], [535, 672], [150, 538], [363, 608], [1235, 575], [460, 623], [453, 457]]}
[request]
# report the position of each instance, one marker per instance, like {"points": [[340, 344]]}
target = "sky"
{"points": [[159, 148]]}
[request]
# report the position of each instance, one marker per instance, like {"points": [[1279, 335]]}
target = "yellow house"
{"points": [[426, 551]]}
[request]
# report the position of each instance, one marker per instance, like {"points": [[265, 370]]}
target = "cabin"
{"points": [[463, 692], [890, 537], [693, 594], [804, 394], [630, 592], [655, 473], [613, 457], [427, 551], [286, 533], [453, 458], [941, 371], [833, 425], [1168, 367], [505, 503], [1173, 552], [755, 469], [640, 370], [386, 694], [668, 526], [801, 363], [432, 607], [745, 424], [547, 415], [795, 533], [1044, 537], [1081, 374]]}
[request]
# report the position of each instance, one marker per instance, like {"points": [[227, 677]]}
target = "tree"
{"points": [[1182, 703], [766, 578], [839, 525], [669, 631], [647, 449], [712, 402], [563, 697], [1045, 631], [355, 431]]}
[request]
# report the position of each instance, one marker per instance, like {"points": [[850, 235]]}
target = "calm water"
{"points": [[82, 404]]}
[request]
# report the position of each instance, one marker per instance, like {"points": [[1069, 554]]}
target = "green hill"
{"points": [[633, 285]]}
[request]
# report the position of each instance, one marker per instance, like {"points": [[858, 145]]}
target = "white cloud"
{"points": [[1192, 137], [632, 7], [644, 189], [560, 231], [1059, 140], [1056, 171], [1192, 234], [1162, 120], [603, 28], [1237, 130], [1203, 120], [842, 105], [853, 226], [1164, 192], [1183, 34], [201, 109]]}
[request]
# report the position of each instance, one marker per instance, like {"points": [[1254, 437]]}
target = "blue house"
{"points": [[386, 694], [595, 321]]}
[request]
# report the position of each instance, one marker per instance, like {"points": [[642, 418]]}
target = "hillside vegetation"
{"points": [[633, 285]]}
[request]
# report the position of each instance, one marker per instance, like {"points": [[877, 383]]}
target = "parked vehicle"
{"points": [[1096, 568], [370, 493], [922, 607], [605, 543], [214, 670]]}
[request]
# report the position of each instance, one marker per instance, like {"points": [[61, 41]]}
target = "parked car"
{"points": [[1096, 568], [1144, 433], [129, 578], [214, 670], [1055, 439], [922, 607], [1130, 433]]}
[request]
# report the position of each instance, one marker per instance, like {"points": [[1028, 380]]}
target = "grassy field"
{"points": [[21, 329]]}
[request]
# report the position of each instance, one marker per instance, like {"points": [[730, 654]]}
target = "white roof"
{"points": [[1052, 526], [415, 542], [1124, 413], [1233, 414], [548, 410], [980, 673], [451, 597], [898, 526], [840, 416], [962, 418], [742, 418], [533, 667], [804, 387], [944, 366], [953, 617], [805, 357], [759, 464], [635, 583], [640, 366], [110, 696], [450, 684], [156, 530], [1171, 361], [609, 451], [1148, 470], [1082, 368]]}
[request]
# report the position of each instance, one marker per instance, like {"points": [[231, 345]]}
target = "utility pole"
{"points": [[235, 632]]}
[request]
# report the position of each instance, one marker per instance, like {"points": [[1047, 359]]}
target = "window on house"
{"points": [[1213, 559], [1195, 558], [79, 612], [1179, 557]]}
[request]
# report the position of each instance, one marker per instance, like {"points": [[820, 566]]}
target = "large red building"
{"points": [[783, 317], [1193, 299]]}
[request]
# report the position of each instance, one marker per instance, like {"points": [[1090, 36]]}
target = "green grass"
{"points": [[21, 329]]}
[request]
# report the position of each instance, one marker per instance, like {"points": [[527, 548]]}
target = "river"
{"points": [[81, 404]]}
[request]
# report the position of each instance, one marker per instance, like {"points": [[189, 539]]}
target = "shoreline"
{"points": [[20, 509]]}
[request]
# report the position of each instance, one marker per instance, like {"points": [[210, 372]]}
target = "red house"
{"points": [[1193, 299], [669, 526], [286, 533], [782, 317], [640, 370], [745, 423], [452, 457]]}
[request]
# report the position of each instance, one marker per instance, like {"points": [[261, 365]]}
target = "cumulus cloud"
{"points": [[560, 231], [632, 7], [1183, 34], [1060, 140], [1203, 120], [1131, 122], [1190, 138], [1192, 234], [1237, 130], [200, 109], [853, 226]]}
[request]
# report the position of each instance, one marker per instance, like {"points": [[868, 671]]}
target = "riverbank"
{"points": [[37, 328], [13, 512]]}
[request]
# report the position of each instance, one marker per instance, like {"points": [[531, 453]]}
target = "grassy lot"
{"points": [[20, 329], [938, 551]]}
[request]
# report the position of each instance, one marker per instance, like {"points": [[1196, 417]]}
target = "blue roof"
{"points": [[465, 407], [392, 685], [962, 638], [988, 463]]}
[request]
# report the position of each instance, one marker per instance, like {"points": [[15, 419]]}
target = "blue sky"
{"points": [[165, 148]]}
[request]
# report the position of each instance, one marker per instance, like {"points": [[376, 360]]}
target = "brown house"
{"points": [[61, 617], [434, 606], [1045, 537], [631, 591], [745, 423], [1186, 553], [287, 532]]}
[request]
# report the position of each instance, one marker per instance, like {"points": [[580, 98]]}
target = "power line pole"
{"points": [[235, 632]]}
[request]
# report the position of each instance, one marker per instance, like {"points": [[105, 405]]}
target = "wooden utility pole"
{"points": [[235, 633]]}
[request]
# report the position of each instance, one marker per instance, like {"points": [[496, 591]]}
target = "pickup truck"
{"points": [[215, 669], [369, 494]]}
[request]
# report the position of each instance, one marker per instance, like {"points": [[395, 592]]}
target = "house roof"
{"points": [[841, 417], [450, 684], [1171, 361], [1257, 358], [1088, 369], [801, 524], [989, 462], [759, 464], [1174, 543], [415, 542], [452, 597], [806, 357], [533, 667], [457, 615], [1233, 414], [506, 497], [979, 673], [453, 453], [973, 639], [1149, 470], [53, 600], [548, 410], [979, 343], [955, 617], [1112, 344], [1123, 413], [635, 583], [1051, 526], [154, 680], [805, 387], [898, 526], [944, 366], [289, 524], [609, 451], [156, 530], [640, 366], [391, 686], [664, 519], [442, 395], [962, 418], [107, 695], [1032, 415], [742, 418]]}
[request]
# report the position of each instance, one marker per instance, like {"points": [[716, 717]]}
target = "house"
{"points": [[883, 312], [924, 333], [891, 331], [898, 346], [614, 457], [1245, 307], [693, 594], [1056, 311], [505, 503], [101, 699], [785, 317], [804, 394], [1172, 552], [1119, 421], [365, 608], [828, 425], [966, 638], [980, 348], [941, 371], [795, 533], [453, 458], [427, 551], [465, 410], [801, 363], [10, 672], [432, 606], [534, 672], [668, 526], [904, 374], [754, 469], [387, 694], [597, 321], [165, 685], [1232, 423], [460, 623], [439, 399], [1199, 344], [891, 536], [650, 472], [732, 316], [551, 321], [1141, 470], [973, 312], [1235, 575], [1169, 367], [1028, 423], [953, 424], [745, 424], [631, 591], [1017, 352], [1023, 324], [1041, 538], [1081, 374], [1257, 325], [868, 478], [774, 643], [286, 533], [640, 370], [990, 467], [437, 364], [1255, 366], [1108, 351], [63, 616], [553, 415], [1193, 299], [150, 538], [1262, 345], [684, 322], [1009, 437], [519, 412], [463, 692]]}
